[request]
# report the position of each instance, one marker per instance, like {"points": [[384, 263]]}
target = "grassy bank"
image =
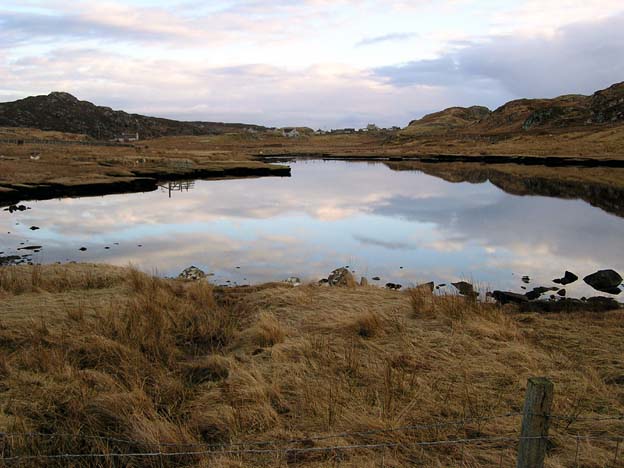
{"points": [[42, 171], [115, 361]]}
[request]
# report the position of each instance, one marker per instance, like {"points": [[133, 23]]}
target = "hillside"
{"points": [[63, 112], [452, 119], [523, 115]]}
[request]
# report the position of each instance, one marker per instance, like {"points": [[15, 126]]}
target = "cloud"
{"points": [[394, 37], [253, 61], [386, 244], [581, 57]]}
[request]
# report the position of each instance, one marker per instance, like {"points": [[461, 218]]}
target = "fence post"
{"points": [[535, 421]]}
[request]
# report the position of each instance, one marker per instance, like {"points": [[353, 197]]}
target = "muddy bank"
{"points": [[141, 180]]}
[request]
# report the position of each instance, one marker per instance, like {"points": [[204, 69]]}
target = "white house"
{"points": [[127, 137], [290, 132]]}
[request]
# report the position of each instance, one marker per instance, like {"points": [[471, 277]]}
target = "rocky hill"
{"points": [[524, 115], [64, 113], [452, 119]]}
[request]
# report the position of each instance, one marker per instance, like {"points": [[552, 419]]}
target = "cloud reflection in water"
{"points": [[326, 215]]}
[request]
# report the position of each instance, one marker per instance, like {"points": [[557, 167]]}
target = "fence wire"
{"points": [[336, 448], [257, 447]]}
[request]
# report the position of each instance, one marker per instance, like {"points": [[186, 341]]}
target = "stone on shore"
{"points": [[342, 277], [605, 281], [192, 273]]}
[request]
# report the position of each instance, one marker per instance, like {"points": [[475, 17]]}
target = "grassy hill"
{"points": [[524, 115]]}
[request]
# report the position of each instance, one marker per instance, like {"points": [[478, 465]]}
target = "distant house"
{"points": [[127, 137], [372, 128], [290, 132]]}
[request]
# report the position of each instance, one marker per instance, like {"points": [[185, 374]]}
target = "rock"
{"points": [[537, 292], [562, 292], [440, 285], [192, 273], [13, 208], [568, 278], [34, 228], [293, 280], [83, 249], [604, 281], [507, 297], [376, 278], [464, 288], [9, 260], [363, 281], [341, 277], [30, 247], [393, 286], [526, 279]]}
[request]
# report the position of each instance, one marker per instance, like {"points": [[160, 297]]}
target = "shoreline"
{"points": [[547, 161], [144, 180]]}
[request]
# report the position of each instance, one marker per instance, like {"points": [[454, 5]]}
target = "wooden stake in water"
{"points": [[535, 422]]}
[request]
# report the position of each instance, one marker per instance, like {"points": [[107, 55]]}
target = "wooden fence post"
{"points": [[535, 421]]}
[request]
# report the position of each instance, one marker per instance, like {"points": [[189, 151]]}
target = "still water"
{"points": [[402, 226]]}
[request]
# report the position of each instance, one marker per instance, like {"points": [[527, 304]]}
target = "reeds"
{"points": [[171, 364]]}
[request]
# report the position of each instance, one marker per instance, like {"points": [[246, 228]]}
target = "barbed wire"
{"points": [[269, 451], [412, 427]]}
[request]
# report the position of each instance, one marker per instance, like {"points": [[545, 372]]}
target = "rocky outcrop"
{"points": [[508, 297], [607, 281], [341, 277], [64, 113], [522, 115], [452, 119], [568, 278], [192, 273]]}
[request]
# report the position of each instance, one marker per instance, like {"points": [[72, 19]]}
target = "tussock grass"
{"points": [[171, 364]]}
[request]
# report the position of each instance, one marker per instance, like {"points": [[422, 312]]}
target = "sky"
{"points": [[318, 63]]}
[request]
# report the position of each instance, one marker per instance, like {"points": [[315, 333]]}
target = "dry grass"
{"points": [[173, 364]]}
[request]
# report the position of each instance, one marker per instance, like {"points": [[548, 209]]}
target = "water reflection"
{"points": [[405, 227]]}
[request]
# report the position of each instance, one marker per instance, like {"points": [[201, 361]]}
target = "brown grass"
{"points": [[171, 364]]}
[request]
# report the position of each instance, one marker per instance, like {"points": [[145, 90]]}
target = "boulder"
{"points": [[464, 288], [293, 280], [508, 297], [394, 286], [341, 277], [363, 281], [604, 281], [192, 273], [537, 292], [568, 278]]}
